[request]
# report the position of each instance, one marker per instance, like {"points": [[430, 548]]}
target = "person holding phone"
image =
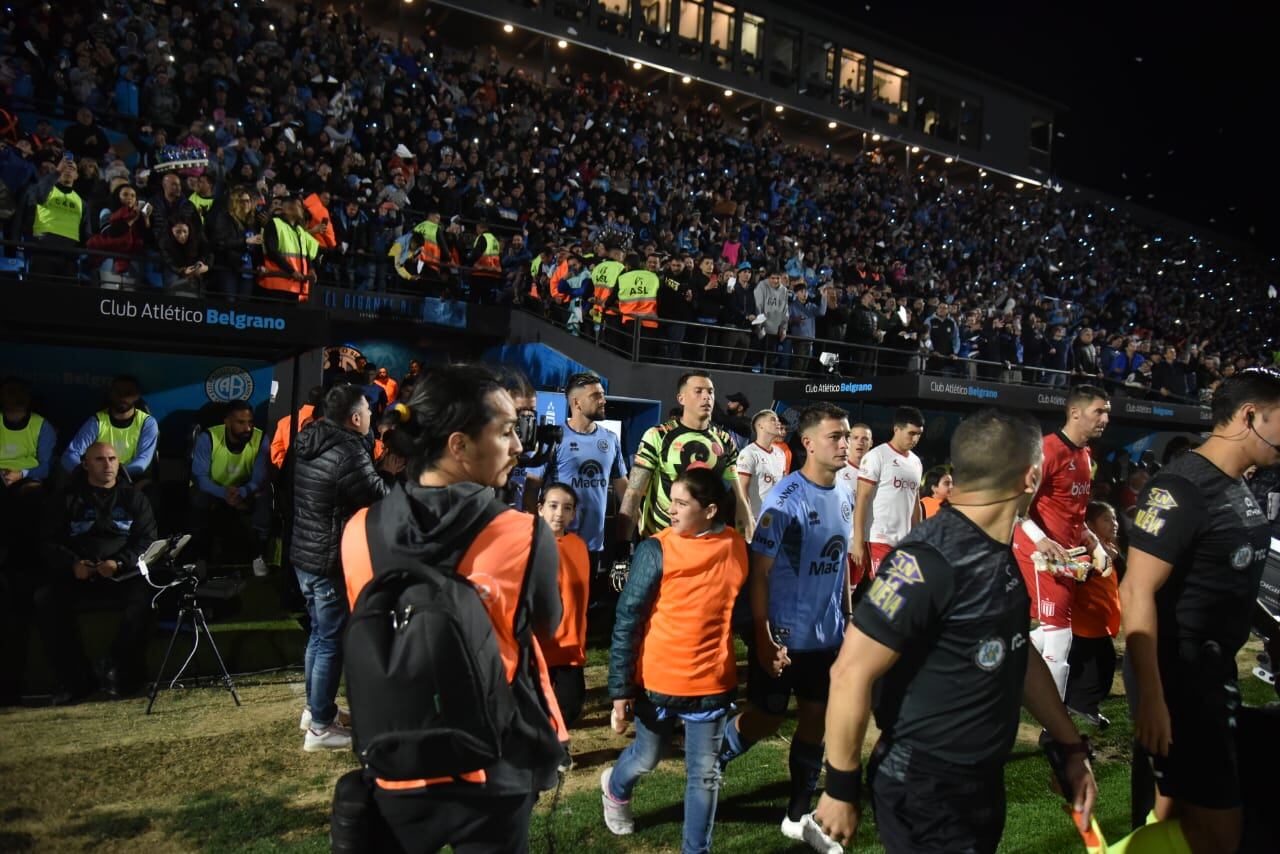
{"points": [[59, 225]]}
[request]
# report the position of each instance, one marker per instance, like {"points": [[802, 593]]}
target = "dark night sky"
{"points": [[1167, 104]]}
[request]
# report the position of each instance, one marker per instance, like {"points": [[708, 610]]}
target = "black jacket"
{"points": [[82, 522], [333, 477]]}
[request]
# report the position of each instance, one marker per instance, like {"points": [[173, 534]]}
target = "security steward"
{"points": [[604, 278], [229, 476], [485, 260], [637, 291], [124, 425], [434, 248], [458, 433], [944, 629], [60, 224], [1197, 549], [289, 254]]}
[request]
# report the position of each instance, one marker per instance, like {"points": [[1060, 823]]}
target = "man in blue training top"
{"points": [[130, 431], [589, 459], [797, 590]]}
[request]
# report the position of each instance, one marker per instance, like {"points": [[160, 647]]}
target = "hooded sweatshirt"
{"points": [[434, 525]]}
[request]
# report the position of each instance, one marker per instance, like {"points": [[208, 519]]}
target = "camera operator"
{"points": [[1196, 554], [92, 535]]}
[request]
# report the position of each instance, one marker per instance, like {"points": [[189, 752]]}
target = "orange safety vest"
{"points": [[638, 297], [495, 563], [490, 263], [929, 506], [319, 213], [280, 440], [786, 455], [389, 387], [429, 254], [1095, 607], [604, 277], [291, 243], [688, 646], [569, 646]]}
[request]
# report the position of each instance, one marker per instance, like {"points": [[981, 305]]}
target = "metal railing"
{"points": [[372, 274], [673, 342]]}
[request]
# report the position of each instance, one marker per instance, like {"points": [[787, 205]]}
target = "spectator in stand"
{"points": [[170, 205], [1085, 360], [91, 537], [1138, 383], [1057, 355], [1168, 376], [1125, 363], [352, 230], [186, 257], [333, 478], [235, 238], [772, 314], [84, 138], [943, 340], [803, 327], [865, 333], [739, 314], [124, 233]]}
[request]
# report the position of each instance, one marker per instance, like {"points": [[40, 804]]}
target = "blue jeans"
{"points": [[327, 608], [702, 741]]}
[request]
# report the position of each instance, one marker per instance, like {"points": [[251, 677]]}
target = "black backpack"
{"points": [[425, 679]]}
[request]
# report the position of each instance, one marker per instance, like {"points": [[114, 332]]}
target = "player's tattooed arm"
{"points": [[629, 511]]}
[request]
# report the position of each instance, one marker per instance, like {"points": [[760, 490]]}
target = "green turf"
{"points": [[203, 775]]}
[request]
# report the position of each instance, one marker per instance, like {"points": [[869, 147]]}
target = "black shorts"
{"points": [[1203, 767], [925, 805], [808, 677]]}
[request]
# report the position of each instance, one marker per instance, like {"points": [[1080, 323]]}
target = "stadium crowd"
{"points": [[251, 152], [518, 191]]}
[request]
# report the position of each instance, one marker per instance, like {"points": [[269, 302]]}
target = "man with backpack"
{"points": [[455, 721]]}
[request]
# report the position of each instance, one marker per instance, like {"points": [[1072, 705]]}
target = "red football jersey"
{"points": [[1065, 487]]}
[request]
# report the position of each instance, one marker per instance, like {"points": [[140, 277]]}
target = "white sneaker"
{"points": [[260, 568], [304, 723], [807, 831], [333, 737], [617, 814]]}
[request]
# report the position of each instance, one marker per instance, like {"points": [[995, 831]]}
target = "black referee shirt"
{"points": [[951, 600], [1214, 533]]}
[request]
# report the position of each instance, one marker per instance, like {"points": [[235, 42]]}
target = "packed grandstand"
{"points": [[255, 163]]}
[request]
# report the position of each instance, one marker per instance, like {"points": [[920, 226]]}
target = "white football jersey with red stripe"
{"points": [[897, 479]]}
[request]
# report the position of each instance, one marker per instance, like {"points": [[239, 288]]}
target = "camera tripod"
{"points": [[190, 610]]}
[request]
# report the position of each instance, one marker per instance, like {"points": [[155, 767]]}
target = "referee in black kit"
{"points": [[1196, 555], [945, 624]]}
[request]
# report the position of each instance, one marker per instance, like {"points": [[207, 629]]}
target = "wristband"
{"points": [[1032, 530], [844, 785]]}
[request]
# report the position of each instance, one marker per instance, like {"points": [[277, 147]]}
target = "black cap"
{"points": [[739, 398]]}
